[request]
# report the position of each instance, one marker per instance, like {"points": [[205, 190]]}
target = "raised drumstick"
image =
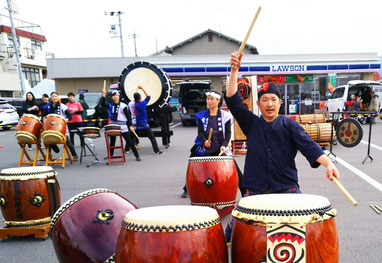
{"points": [[104, 84], [249, 31], [345, 192], [210, 135]]}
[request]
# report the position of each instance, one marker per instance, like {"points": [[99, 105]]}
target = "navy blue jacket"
{"points": [[269, 164]]}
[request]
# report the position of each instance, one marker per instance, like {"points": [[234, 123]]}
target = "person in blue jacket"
{"points": [[272, 140]]}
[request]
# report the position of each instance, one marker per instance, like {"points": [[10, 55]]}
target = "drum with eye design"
{"points": [[28, 129], [53, 129]]}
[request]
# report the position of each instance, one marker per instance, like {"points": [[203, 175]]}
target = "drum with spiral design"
{"points": [[29, 196], [284, 228], [171, 234], [86, 227]]}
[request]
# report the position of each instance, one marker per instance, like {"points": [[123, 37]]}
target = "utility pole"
{"points": [[16, 47], [135, 44], [118, 13]]}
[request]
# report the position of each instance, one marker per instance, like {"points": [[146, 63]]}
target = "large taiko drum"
{"points": [[29, 196], [284, 228], [170, 234], [53, 129], [212, 181], [28, 129], [320, 132], [154, 80], [86, 227]]}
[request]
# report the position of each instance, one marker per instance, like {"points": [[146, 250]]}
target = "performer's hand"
{"points": [[131, 129], [222, 149], [331, 171], [29, 109], [66, 120], [207, 144], [140, 87], [235, 60]]}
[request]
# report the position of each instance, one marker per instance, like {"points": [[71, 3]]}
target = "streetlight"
{"points": [[118, 13]]}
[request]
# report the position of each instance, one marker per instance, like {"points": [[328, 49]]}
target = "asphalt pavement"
{"points": [[158, 180]]}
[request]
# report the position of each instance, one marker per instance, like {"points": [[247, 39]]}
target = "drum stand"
{"points": [[107, 138], [91, 148], [24, 152], [49, 160], [37, 231]]}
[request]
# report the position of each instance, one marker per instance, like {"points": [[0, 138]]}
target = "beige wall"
{"points": [[64, 86]]}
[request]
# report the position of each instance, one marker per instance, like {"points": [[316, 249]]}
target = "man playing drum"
{"points": [[273, 141], [55, 107], [119, 114]]}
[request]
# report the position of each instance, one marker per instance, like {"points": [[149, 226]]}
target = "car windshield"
{"points": [[91, 99]]}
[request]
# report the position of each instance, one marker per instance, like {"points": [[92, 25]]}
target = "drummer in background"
{"points": [[55, 107], [220, 122], [273, 141], [75, 108], [139, 117], [30, 107], [119, 114]]}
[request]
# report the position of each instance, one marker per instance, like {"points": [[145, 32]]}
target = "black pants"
{"points": [[55, 148], [129, 142], [73, 129], [149, 133], [239, 173]]}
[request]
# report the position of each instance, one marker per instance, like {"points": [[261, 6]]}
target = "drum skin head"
{"points": [[154, 80]]}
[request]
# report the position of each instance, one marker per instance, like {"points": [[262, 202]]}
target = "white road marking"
{"points": [[173, 126], [372, 145], [358, 172]]}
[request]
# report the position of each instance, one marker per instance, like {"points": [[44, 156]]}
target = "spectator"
{"points": [[85, 106], [30, 105], [374, 105], [75, 108]]}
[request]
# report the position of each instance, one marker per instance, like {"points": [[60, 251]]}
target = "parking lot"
{"points": [[158, 180]]}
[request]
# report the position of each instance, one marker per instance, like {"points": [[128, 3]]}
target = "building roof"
{"points": [[23, 33], [169, 50]]}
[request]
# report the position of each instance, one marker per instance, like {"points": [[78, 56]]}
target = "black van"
{"points": [[192, 99]]}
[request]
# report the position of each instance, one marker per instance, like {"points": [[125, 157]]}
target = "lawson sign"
{"points": [[288, 68]]}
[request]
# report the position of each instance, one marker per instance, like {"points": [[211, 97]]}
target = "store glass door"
{"points": [[292, 100]]}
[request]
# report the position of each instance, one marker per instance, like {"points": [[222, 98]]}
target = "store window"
{"points": [[343, 79], [32, 75], [36, 44]]}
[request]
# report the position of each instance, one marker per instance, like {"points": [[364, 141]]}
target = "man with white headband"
{"points": [[220, 123]]}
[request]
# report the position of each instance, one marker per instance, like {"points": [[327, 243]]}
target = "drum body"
{"points": [[29, 196], [171, 234], [320, 132], [154, 80], [212, 181], [284, 228], [311, 118], [53, 129], [86, 227], [91, 132], [112, 127], [28, 129]]}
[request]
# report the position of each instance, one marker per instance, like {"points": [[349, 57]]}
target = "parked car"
{"points": [[192, 99], [8, 115], [362, 88], [17, 103]]}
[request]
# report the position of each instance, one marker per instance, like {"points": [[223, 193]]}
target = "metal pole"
{"points": [[135, 44], [16, 47], [120, 32]]}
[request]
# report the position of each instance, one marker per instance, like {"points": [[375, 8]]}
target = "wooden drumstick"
{"points": [[210, 135], [345, 192], [136, 135], [249, 31], [104, 84]]}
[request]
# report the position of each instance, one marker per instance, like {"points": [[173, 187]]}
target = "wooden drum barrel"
{"points": [[313, 118], [171, 234], [112, 127], [28, 129], [86, 227], [29, 196], [320, 132], [212, 181], [284, 228], [91, 132], [53, 129]]}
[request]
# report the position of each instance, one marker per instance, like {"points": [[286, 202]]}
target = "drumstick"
{"points": [[249, 31], [210, 135], [374, 208], [136, 135], [104, 84], [345, 192]]}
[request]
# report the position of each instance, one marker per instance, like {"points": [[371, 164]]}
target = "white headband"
{"points": [[213, 94]]}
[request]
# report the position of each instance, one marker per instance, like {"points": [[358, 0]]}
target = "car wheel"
{"points": [[6, 128]]}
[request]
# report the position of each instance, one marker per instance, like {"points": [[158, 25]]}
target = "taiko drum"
{"points": [[171, 234], [212, 181], [53, 129], [29, 196], [87, 226], [28, 129], [284, 228]]}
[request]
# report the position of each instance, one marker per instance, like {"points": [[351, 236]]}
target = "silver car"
{"points": [[8, 115]]}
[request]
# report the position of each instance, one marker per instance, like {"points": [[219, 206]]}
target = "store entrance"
{"points": [[290, 96]]}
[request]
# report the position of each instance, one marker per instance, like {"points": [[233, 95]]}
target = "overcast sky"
{"points": [[79, 28]]}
